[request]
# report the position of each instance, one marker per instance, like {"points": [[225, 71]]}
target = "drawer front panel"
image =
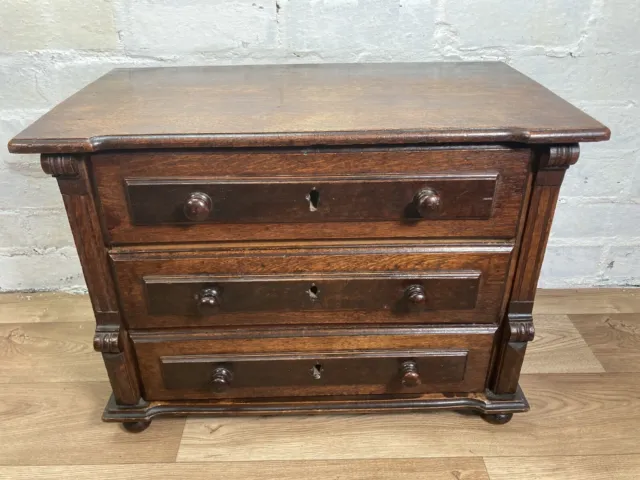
{"points": [[398, 293], [429, 192], [313, 370], [197, 365], [312, 285], [311, 200]]}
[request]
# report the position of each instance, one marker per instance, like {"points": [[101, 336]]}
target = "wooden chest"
{"points": [[311, 238]]}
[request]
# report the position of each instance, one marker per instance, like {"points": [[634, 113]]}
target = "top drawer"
{"points": [[150, 197]]}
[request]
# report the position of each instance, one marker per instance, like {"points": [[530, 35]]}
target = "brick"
{"points": [[373, 30], [585, 78], [20, 175], [485, 23], [177, 27], [635, 182], [570, 264], [622, 118], [625, 221], [35, 228], [576, 220], [616, 28], [52, 269], [612, 221], [622, 265], [57, 24], [600, 173], [40, 81]]}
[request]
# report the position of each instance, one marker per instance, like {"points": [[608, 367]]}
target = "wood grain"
{"points": [[158, 380], [572, 414], [112, 171], [72, 173], [48, 352], [580, 426], [131, 269], [366, 198], [587, 301], [559, 348], [613, 338], [59, 424], [308, 105], [374, 469], [600, 467], [45, 307], [549, 164]]}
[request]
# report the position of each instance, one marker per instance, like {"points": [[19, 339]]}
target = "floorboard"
{"points": [[587, 300], [59, 424], [375, 469], [572, 414], [49, 352], [45, 307], [597, 467], [581, 375], [613, 338], [558, 347]]}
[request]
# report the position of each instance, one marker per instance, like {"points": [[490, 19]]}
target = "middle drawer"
{"points": [[312, 285]]}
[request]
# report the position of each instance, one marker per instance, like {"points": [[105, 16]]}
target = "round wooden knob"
{"points": [[426, 201], [210, 299], [221, 379], [415, 294], [197, 207], [410, 375]]}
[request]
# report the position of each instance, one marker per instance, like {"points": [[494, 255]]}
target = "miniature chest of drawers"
{"points": [[311, 238]]}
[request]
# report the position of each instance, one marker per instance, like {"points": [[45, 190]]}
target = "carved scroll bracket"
{"points": [[521, 331], [560, 156], [554, 162], [107, 341], [60, 165]]}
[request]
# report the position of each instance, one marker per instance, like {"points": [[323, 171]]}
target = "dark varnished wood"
{"points": [[278, 105], [518, 329], [311, 199], [181, 365], [396, 292], [72, 173], [312, 374], [338, 404], [266, 194], [136, 427], [196, 207], [462, 284], [311, 238], [498, 418]]}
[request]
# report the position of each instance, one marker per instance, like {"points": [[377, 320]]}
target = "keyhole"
{"points": [[316, 371], [313, 292], [313, 197]]}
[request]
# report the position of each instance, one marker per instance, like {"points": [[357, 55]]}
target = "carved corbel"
{"points": [[69, 170], [554, 162], [60, 165], [107, 341], [521, 331], [72, 172], [560, 157]]}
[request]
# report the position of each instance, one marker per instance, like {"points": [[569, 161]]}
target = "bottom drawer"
{"points": [[199, 365]]}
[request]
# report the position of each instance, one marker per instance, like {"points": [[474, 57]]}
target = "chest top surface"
{"points": [[302, 105]]}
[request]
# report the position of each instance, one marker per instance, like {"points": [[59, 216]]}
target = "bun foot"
{"points": [[135, 427], [497, 418]]}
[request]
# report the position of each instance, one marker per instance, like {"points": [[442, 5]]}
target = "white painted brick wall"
{"points": [[587, 51]]}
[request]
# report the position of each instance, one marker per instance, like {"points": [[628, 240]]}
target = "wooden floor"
{"points": [[582, 378]]}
